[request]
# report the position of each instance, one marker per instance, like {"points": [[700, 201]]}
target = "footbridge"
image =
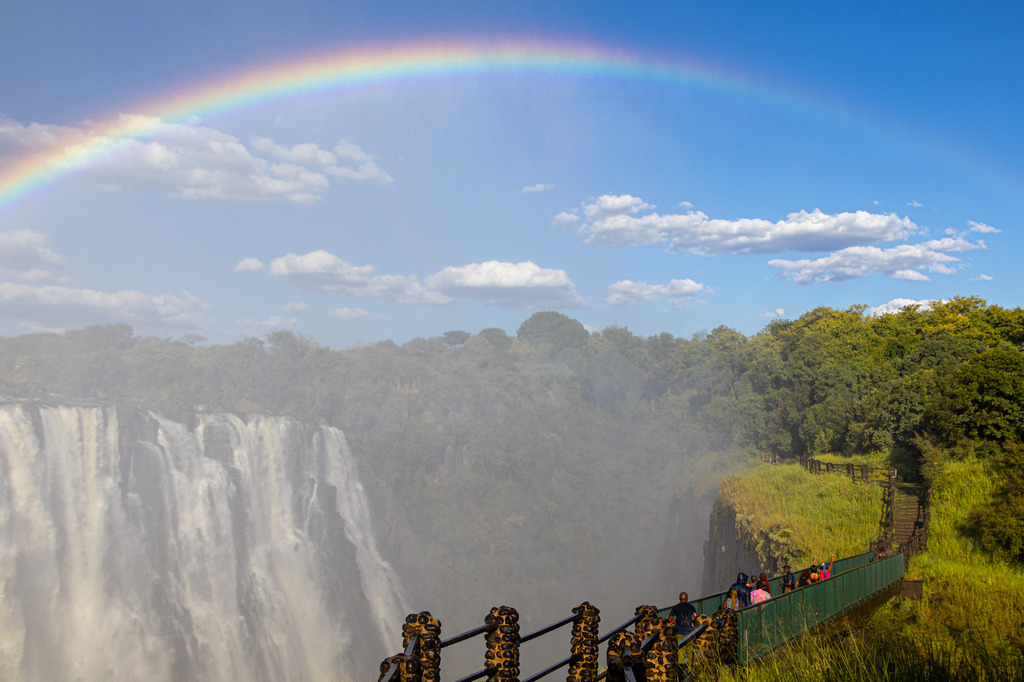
{"points": [[646, 646]]}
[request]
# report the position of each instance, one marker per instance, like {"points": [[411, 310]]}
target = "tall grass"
{"points": [[791, 514], [845, 655], [969, 623]]}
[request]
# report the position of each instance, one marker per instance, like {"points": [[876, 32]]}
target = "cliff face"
{"points": [[728, 552]]}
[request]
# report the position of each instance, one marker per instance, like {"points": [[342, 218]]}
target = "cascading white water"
{"points": [[240, 549]]}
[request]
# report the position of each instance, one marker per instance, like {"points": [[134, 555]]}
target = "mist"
{"points": [[275, 507]]}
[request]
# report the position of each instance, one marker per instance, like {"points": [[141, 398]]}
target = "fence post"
{"points": [[584, 643], [927, 518], [428, 649], [662, 657], [892, 500], [502, 658], [623, 653]]}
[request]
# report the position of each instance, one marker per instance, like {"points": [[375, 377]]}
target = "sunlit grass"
{"points": [[841, 654], [969, 623], [795, 515]]}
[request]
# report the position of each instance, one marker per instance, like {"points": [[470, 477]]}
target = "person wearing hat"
{"points": [[788, 582]]}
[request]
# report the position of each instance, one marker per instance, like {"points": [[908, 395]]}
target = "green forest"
{"points": [[482, 439], [916, 387]]}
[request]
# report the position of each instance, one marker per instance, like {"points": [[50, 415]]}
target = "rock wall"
{"points": [[727, 553]]}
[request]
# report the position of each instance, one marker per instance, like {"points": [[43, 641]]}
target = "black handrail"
{"points": [[392, 669], [683, 642], [475, 676], [571, 659], [622, 627], [694, 634], [553, 626], [556, 666], [466, 635]]}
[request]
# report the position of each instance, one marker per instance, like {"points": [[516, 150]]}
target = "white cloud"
{"points": [[24, 256], [565, 219], [915, 204], [63, 307], [248, 265], [982, 278], [363, 166], [296, 308], [905, 262], [608, 205], [196, 162], [617, 220], [192, 161], [898, 304], [541, 187], [777, 313], [627, 292], [982, 227], [272, 322], [36, 276], [17, 139], [306, 153], [349, 313], [517, 285], [323, 271]]}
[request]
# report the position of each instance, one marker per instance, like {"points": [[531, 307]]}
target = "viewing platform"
{"points": [[729, 637]]}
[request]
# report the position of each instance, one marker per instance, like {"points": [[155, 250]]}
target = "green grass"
{"points": [[793, 515], [846, 655], [969, 623]]}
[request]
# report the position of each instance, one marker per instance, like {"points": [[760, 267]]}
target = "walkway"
{"points": [[759, 630]]}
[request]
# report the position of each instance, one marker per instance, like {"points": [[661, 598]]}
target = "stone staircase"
{"points": [[909, 530]]}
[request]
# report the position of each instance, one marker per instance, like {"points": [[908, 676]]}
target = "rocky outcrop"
{"points": [[728, 552]]}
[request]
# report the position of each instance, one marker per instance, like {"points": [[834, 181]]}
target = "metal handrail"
{"points": [[408, 652], [556, 666], [526, 638], [546, 630], [475, 676], [622, 627], [390, 676], [466, 635]]}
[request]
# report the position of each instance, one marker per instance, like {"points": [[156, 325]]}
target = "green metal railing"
{"points": [[708, 605], [764, 627]]}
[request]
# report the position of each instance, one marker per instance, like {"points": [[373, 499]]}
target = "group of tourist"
{"points": [[749, 590]]}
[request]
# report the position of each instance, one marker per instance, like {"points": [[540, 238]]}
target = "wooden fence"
{"points": [[911, 543]]}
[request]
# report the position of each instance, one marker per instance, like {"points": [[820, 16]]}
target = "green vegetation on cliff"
{"points": [[787, 515], [969, 622]]}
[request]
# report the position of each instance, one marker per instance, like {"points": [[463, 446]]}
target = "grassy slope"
{"points": [[795, 516], [969, 625]]}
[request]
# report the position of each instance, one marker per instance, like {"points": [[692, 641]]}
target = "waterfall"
{"points": [[133, 547]]}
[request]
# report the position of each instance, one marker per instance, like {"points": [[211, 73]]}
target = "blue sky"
{"points": [[818, 154]]}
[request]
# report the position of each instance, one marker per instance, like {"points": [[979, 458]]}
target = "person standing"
{"points": [[788, 581], [683, 614], [733, 601], [742, 589]]}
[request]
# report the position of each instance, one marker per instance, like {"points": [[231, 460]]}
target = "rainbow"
{"points": [[367, 66]]}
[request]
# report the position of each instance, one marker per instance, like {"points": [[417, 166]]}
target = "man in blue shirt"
{"points": [[682, 614]]}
